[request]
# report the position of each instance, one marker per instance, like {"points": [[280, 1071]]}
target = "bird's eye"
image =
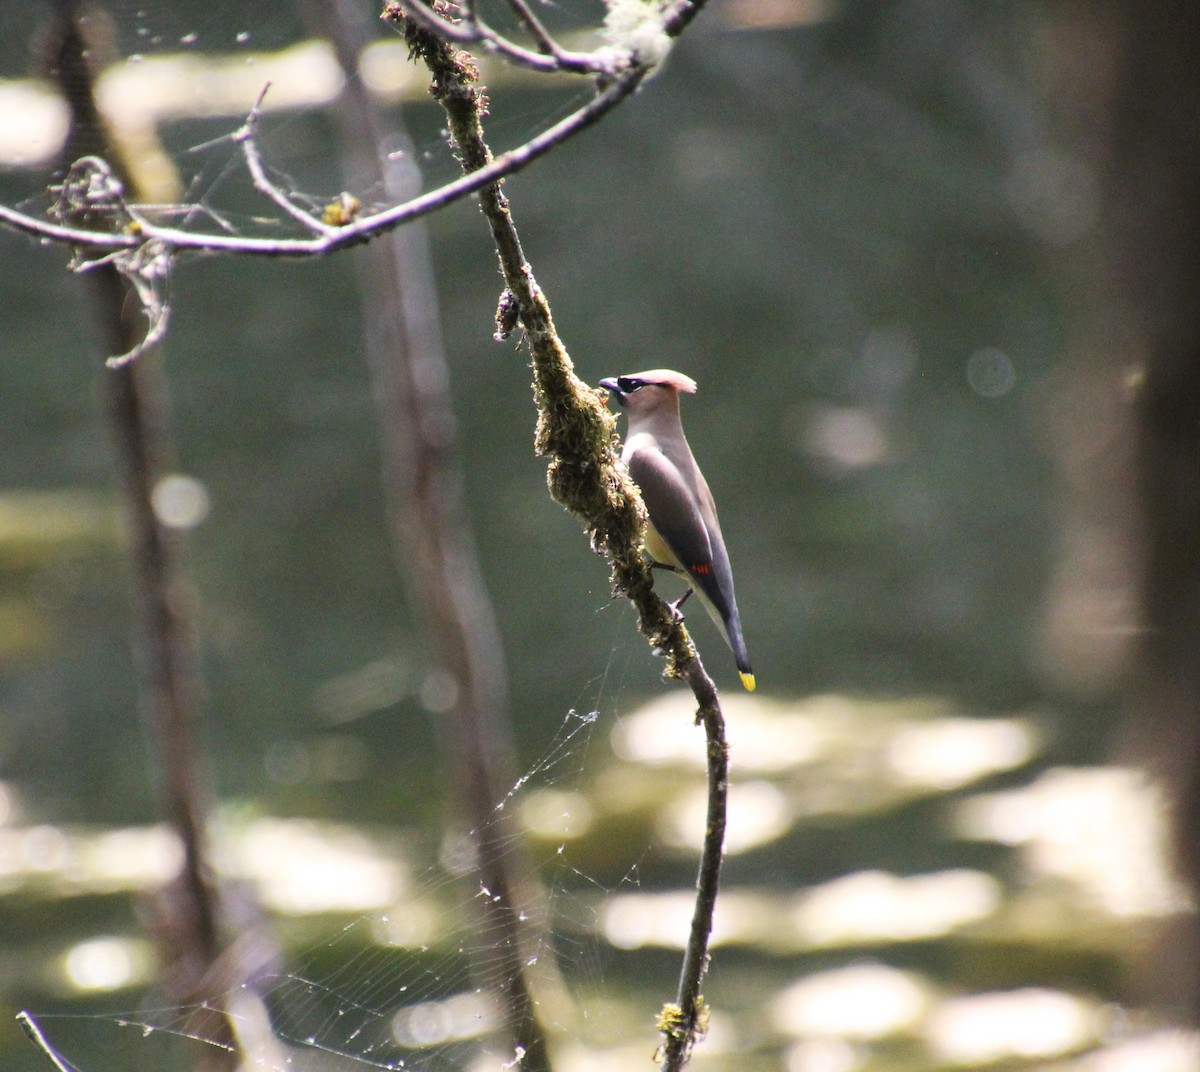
{"points": [[629, 384]]}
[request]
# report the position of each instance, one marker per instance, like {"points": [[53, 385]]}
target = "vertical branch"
{"points": [[423, 480], [685, 1022], [1154, 226], [164, 646], [575, 430]]}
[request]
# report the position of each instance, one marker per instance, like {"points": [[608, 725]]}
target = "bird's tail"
{"points": [[737, 644], [730, 623], [741, 656]]}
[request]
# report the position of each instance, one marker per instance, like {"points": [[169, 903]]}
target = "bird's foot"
{"points": [[676, 613]]}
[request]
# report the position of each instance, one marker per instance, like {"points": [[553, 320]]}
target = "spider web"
{"points": [[175, 82], [417, 986], [414, 986]]}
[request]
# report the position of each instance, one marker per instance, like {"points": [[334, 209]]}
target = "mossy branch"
{"points": [[575, 430]]}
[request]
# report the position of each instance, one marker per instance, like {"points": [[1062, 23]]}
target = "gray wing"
{"points": [[672, 507], [675, 513]]}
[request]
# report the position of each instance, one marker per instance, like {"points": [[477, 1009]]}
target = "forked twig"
{"points": [[246, 138], [356, 232], [617, 68], [551, 59], [534, 25]]}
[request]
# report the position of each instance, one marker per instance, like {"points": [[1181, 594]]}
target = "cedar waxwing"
{"points": [[683, 533]]}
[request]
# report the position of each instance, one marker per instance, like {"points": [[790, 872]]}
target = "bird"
{"points": [[682, 532]]}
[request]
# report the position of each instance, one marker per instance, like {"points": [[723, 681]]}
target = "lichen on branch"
{"points": [[575, 429]]}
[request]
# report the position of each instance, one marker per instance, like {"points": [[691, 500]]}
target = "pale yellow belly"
{"points": [[657, 549]]}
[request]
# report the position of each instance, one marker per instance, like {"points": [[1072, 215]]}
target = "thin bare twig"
{"points": [[360, 230], [559, 59], [30, 1026], [534, 25], [685, 1022], [552, 59], [246, 138], [620, 72]]}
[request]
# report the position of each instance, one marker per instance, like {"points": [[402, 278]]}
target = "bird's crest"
{"points": [[668, 378]]}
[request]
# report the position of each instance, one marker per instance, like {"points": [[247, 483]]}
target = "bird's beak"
{"points": [[610, 385]]}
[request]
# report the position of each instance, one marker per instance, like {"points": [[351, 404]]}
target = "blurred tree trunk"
{"points": [[432, 529], [1155, 189], [187, 913], [1124, 76]]}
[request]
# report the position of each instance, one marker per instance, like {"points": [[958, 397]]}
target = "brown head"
{"points": [[644, 393]]}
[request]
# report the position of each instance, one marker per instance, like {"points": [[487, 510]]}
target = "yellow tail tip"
{"points": [[747, 681]]}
